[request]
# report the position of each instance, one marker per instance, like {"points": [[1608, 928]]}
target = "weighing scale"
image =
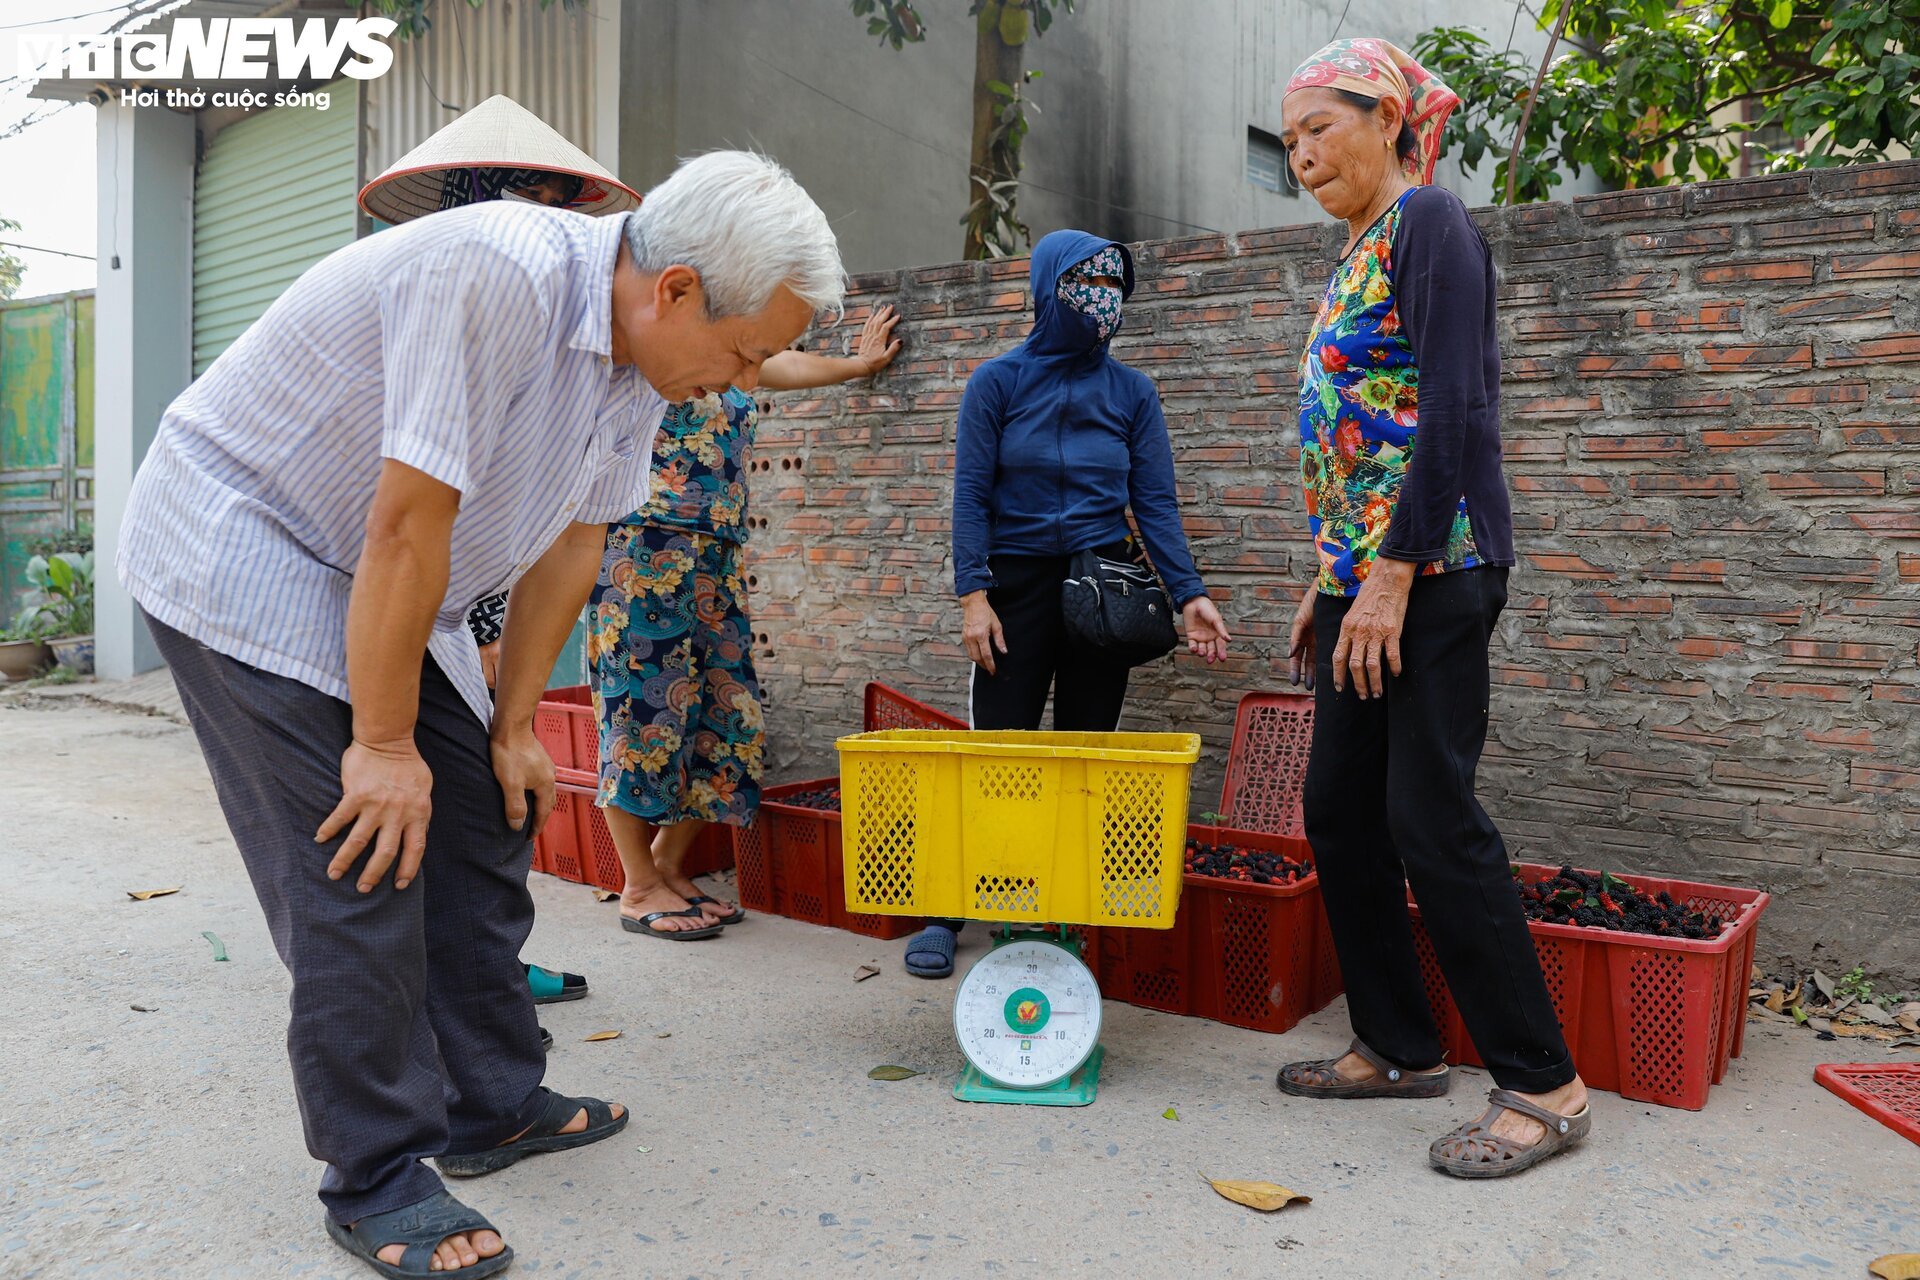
{"points": [[1027, 1017]]}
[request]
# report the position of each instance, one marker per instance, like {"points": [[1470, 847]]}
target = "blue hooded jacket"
{"points": [[1057, 439]]}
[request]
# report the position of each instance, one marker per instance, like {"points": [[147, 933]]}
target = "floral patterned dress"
{"points": [[681, 734], [1359, 417]]}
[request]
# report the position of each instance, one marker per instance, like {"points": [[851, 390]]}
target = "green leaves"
{"points": [[893, 22], [1645, 93]]}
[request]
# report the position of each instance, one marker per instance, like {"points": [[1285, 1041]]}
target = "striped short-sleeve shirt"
{"points": [[473, 345]]}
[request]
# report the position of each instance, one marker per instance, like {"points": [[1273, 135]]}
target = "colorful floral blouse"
{"points": [[1359, 414], [700, 467]]}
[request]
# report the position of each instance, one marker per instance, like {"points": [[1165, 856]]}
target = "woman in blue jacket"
{"points": [[1057, 441]]}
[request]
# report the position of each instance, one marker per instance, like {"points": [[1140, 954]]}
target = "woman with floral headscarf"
{"points": [[1407, 503], [1058, 440]]}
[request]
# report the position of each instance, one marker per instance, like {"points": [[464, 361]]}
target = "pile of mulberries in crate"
{"points": [[1603, 902], [1225, 860]]}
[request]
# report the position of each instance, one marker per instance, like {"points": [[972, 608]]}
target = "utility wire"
{"points": [[71, 17], [1341, 23], [954, 155], [34, 248]]}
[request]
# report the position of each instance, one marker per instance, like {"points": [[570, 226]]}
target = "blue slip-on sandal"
{"points": [[645, 925], [542, 1135], [421, 1227], [739, 913], [550, 987], [930, 952]]}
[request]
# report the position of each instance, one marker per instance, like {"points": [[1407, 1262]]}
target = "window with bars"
{"points": [[1267, 162]]}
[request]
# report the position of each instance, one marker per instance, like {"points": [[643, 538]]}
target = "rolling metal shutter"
{"points": [[274, 195]]}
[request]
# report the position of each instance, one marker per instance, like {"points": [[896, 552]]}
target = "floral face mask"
{"points": [[1100, 303]]}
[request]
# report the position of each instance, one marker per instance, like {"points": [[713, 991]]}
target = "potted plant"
{"points": [[23, 651], [63, 614]]}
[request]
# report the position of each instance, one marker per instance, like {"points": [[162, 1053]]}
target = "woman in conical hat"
{"points": [[497, 150], [681, 734]]}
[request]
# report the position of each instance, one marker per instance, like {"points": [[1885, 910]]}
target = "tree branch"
{"points": [[1526, 114]]}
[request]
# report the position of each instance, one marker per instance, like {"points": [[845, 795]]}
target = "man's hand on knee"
{"points": [[386, 798], [524, 769]]}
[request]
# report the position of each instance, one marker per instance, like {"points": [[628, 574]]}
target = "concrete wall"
{"points": [[1709, 663], [1141, 132], [143, 336]]}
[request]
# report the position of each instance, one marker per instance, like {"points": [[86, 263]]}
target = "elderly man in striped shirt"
{"points": [[433, 414]]}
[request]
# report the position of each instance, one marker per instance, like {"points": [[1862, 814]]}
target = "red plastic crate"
{"points": [[576, 844], [1889, 1092], [891, 709], [1267, 768], [790, 865], [565, 725], [1652, 1019], [1250, 955]]}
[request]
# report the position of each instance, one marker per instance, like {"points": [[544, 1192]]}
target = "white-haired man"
{"points": [[427, 416]]}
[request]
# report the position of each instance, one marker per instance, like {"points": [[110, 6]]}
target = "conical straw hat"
{"points": [[498, 133]]}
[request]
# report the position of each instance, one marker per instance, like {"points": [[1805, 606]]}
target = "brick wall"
{"points": [[1712, 424]]}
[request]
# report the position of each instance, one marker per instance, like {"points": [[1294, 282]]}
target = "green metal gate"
{"points": [[46, 430]]}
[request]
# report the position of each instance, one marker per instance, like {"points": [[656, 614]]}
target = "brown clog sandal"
{"points": [[1320, 1079], [1472, 1150]]}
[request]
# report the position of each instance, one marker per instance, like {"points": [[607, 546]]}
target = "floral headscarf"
{"points": [[1099, 303], [1376, 69]]}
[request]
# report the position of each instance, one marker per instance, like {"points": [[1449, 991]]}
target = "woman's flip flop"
{"points": [[738, 915], [645, 925]]}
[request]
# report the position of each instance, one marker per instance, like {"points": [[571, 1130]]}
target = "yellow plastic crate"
{"points": [[1048, 828]]}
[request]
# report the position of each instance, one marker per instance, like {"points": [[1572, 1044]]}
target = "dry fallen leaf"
{"points": [[603, 1035], [1875, 1014], [1896, 1266], [604, 895], [1824, 983], [143, 1008], [1264, 1196], [141, 895], [864, 972], [892, 1073], [664, 1035], [1777, 999]]}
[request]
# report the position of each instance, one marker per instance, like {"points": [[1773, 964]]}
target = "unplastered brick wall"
{"points": [[1712, 424]]}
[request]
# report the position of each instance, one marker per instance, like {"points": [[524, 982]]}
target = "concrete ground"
{"points": [[166, 1143]]}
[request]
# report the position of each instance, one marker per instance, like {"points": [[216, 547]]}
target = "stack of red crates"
{"points": [[1250, 955], [575, 844], [790, 858]]}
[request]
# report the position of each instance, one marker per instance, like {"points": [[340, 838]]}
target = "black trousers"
{"points": [[412, 1030], [1088, 690], [1390, 804]]}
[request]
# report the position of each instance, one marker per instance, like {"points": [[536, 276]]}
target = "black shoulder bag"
{"points": [[1117, 607]]}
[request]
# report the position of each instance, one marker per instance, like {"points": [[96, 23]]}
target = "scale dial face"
{"points": [[1027, 1014]]}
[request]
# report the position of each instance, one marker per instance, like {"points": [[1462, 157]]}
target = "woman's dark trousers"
{"points": [[1390, 804]]}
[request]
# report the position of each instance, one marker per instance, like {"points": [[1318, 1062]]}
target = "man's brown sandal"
{"points": [[1321, 1080], [1473, 1150]]}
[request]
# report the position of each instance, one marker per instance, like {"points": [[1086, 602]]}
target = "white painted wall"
{"points": [[143, 336]]}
